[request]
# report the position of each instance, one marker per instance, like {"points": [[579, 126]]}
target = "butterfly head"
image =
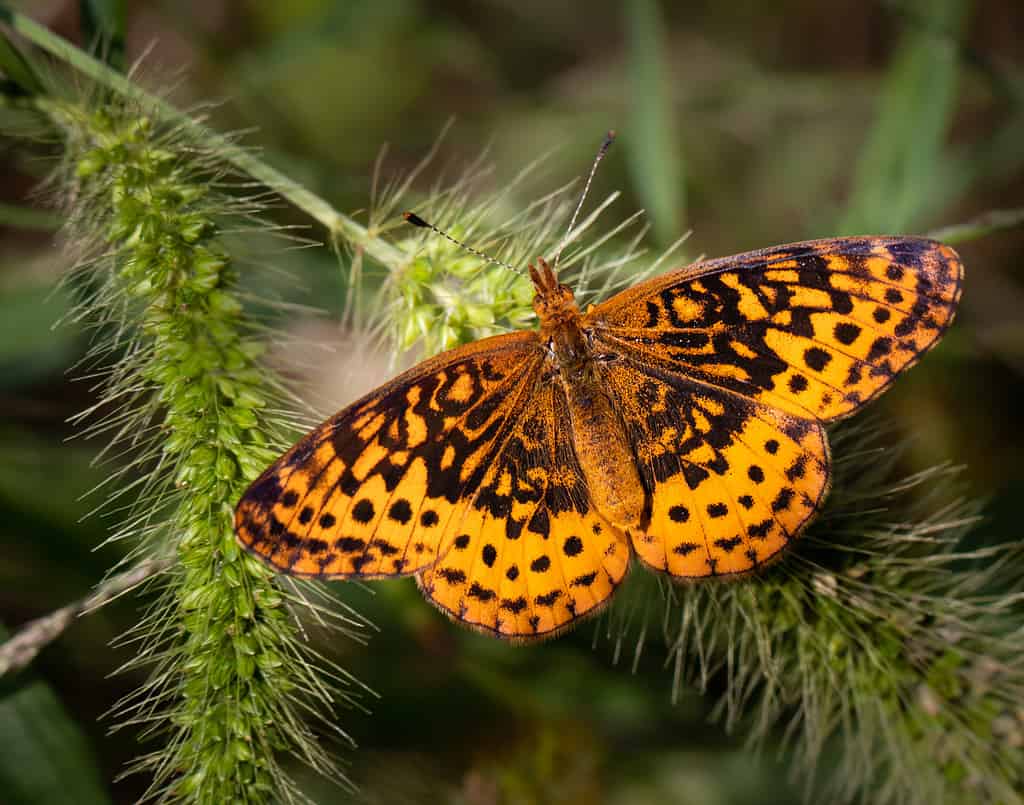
{"points": [[553, 302]]}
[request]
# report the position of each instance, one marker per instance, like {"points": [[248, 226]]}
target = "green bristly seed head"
{"points": [[221, 693], [446, 297]]}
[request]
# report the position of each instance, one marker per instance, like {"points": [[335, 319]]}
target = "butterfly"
{"points": [[682, 421]]}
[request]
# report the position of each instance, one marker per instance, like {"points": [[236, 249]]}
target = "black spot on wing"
{"points": [[816, 358], [760, 530], [716, 510], [451, 575], [880, 347], [429, 518], [797, 384], [513, 528], [846, 332], [679, 514], [385, 547], [728, 545], [400, 511], [548, 599], [513, 605], [363, 511], [540, 523], [783, 499], [694, 475], [480, 593]]}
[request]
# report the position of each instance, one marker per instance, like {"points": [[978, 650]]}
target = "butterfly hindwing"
{"points": [[730, 481], [532, 554], [815, 329]]}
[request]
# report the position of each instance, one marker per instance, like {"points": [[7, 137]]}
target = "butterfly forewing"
{"points": [[375, 489], [815, 329]]}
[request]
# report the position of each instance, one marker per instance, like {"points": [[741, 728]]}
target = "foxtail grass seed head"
{"points": [[446, 297], [188, 408]]}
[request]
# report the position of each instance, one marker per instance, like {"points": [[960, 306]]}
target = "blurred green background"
{"points": [[749, 123]]}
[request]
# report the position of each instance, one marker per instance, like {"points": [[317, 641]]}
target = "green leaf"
{"points": [[17, 68], [898, 173], [103, 24], [983, 225], [653, 145], [46, 756]]}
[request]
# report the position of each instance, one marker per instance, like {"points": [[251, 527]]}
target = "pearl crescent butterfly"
{"points": [[682, 422]]}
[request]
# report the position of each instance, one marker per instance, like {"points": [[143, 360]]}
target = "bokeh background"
{"points": [[749, 123]]}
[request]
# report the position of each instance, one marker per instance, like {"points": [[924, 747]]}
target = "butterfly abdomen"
{"points": [[599, 437], [605, 456]]}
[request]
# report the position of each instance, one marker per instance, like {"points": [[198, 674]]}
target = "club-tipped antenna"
{"points": [[415, 220], [609, 138]]}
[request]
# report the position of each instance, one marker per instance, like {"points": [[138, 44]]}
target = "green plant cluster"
{"points": [[229, 676], [446, 297]]}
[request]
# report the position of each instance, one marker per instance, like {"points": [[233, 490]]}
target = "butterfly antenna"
{"points": [[415, 220], [609, 138]]}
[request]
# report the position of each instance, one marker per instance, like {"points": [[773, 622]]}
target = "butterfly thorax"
{"points": [[598, 432]]}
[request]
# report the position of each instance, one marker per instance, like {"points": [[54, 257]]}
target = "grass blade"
{"points": [[652, 143], [46, 757], [897, 174], [103, 23]]}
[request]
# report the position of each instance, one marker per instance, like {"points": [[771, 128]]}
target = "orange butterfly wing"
{"points": [[460, 469], [375, 489], [730, 481], [535, 553], [725, 369], [815, 329]]}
